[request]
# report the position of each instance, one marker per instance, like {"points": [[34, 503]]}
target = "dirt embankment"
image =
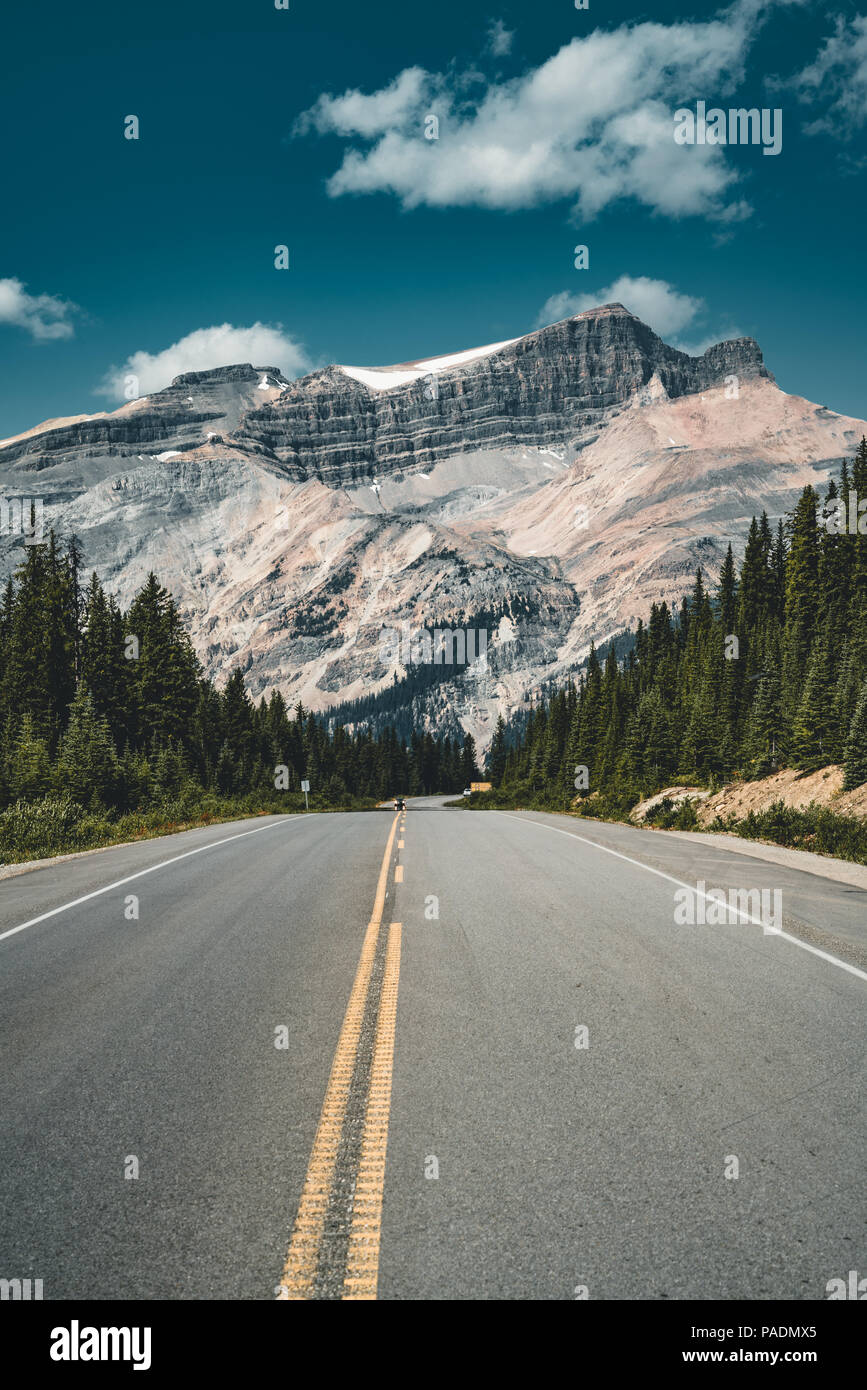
{"points": [[795, 789]]}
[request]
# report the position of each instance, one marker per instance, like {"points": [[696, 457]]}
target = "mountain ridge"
{"points": [[257, 422], [563, 482], [560, 380]]}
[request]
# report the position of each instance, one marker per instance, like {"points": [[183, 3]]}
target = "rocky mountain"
{"points": [[547, 489], [197, 407], [558, 385]]}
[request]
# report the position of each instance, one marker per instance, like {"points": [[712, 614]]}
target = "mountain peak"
{"points": [[601, 311], [461, 477], [218, 376], [559, 384]]}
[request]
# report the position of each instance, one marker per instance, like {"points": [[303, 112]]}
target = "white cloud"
{"points": [[368, 116], [262, 345], [500, 38], [593, 123], [43, 316], [840, 72], [655, 302], [697, 347]]}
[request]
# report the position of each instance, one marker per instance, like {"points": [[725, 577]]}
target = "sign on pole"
{"points": [[305, 787]]}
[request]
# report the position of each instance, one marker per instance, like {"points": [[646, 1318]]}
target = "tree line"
{"points": [[768, 671], [112, 709]]}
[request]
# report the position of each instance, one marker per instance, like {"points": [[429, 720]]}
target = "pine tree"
{"points": [[87, 765], [650, 742], [60, 637], [225, 775], [777, 574], [26, 676], [763, 736], [164, 676], [855, 763], [237, 721], [103, 669], [859, 487], [28, 769], [752, 593], [814, 736], [802, 599], [727, 600], [469, 770], [833, 566]]}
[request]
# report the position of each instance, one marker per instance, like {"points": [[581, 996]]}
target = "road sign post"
{"points": [[305, 787]]}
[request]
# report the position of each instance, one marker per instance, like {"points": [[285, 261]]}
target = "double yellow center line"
{"points": [[305, 1247]]}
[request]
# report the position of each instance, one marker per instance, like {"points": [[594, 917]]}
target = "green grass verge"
{"points": [[57, 825]]}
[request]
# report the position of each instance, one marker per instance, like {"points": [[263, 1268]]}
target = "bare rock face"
{"points": [[196, 405], [558, 384], [547, 490]]}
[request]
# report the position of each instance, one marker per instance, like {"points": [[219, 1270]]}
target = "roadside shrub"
{"points": [[686, 818], [663, 814], [54, 825], [60, 825], [813, 828]]}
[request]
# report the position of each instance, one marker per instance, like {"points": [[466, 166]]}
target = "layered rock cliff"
{"points": [[196, 406], [549, 488], [560, 383]]}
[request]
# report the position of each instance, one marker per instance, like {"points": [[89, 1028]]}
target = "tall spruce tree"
{"points": [[855, 763]]}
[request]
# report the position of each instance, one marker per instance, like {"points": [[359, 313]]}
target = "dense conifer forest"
{"points": [[106, 717], [768, 671]]}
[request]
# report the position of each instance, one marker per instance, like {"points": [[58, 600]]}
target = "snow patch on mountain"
{"points": [[384, 378]]}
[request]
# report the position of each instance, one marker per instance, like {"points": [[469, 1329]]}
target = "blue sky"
{"points": [[554, 131]]}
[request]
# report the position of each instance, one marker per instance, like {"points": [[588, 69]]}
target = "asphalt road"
{"points": [[236, 1045]]}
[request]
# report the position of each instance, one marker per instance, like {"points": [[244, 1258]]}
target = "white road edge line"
{"points": [[757, 921], [141, 872]]}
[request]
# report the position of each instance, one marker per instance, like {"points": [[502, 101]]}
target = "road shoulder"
{"points": [[822, 865]]}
